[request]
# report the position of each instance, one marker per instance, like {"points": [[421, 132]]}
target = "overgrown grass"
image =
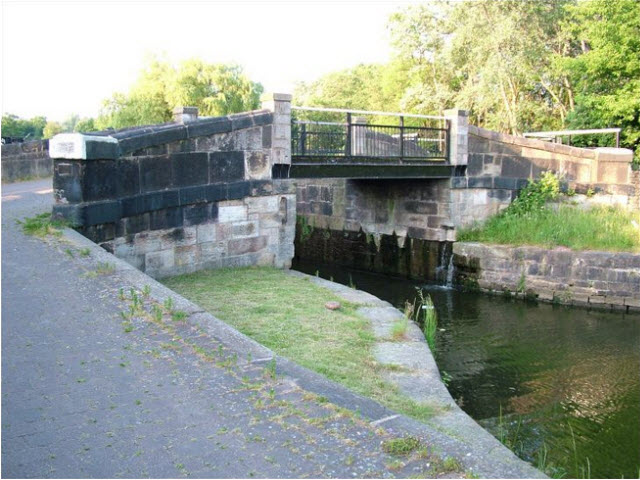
{"points": [[287, 314], [599, 228], [42, 225]]}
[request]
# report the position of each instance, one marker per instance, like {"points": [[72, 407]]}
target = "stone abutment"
{"points": [[179, 197]]}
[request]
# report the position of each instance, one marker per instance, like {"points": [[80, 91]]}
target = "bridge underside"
{"points": [[364, 168]]}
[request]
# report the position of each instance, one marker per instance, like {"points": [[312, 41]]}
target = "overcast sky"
{"points": [[62, 57]]}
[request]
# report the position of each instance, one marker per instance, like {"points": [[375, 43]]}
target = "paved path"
{"points": [[86, 393]]}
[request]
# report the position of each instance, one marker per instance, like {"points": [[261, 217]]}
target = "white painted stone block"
{"points": [[74, 145]]}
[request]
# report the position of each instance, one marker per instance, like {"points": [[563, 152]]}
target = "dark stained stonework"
{"points": [[226, 166], [414, 258], [190, 169]]}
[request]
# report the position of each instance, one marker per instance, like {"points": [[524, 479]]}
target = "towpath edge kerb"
{"points": [[453, 434]]}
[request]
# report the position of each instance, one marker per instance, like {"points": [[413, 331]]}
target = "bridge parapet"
{"points": [[185, 195], [330, 142]]}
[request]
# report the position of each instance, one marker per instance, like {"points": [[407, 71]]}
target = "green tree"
{"points": [[488, 57], [85, 125], [52, 128], [605, 66], [364, 87], [14, 126], [215, 89]]}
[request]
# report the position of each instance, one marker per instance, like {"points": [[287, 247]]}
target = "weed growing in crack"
{"points": [[103, 268], [401, 446], [156, 313], [271, 369], [168, 304], [178, 315]]}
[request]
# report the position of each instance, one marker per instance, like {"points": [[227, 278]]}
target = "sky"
{"points": [[65, 56]]}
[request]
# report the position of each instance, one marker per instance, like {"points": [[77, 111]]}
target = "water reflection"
{"points": [[561, 386]]}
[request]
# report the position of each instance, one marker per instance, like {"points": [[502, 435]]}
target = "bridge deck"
{"points": [[364, 168]]}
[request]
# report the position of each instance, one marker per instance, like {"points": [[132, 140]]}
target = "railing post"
{"points": [[618, 139], [458, 136], [401, 138], [347, 147], [303, 139]]}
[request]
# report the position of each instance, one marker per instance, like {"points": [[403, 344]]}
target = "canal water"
{"points": [[560, 386]]}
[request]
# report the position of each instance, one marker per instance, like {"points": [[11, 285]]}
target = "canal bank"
{"points": [[595, 279], [558, 385], [352, 346]]}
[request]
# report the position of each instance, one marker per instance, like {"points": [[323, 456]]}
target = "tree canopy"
{"points": [[216, 89], [14, 126], [516, 66]]}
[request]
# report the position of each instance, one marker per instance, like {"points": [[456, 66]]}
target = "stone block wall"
{"points": [[232, 233], [560, 275], [176, 198], [407, 208], [500, 165], [25, 161]]}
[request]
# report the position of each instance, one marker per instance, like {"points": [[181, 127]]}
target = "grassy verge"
{"points": [[288, 315], [600, 228]]}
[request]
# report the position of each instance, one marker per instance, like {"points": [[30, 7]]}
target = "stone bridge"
{"points": [[230, 191]]}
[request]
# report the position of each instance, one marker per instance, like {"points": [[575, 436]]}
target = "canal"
{"points": [[560, 386]]}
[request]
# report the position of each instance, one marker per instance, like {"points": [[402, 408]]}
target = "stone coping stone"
{"points": [[451, 435], [530, 142], [112, 144]]}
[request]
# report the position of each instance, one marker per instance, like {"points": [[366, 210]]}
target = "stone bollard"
{"points": [[185, 114]]}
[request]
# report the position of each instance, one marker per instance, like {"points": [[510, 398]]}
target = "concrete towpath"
{"points": [[98, 382]]}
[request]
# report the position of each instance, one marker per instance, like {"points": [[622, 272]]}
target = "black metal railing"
{"points": [[397, 139]]}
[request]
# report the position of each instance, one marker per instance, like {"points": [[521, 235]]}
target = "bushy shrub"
{"points": [[535, 195]]}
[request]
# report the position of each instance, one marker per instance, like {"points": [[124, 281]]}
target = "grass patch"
{"points": [[287, 314], [401, 446], [42, 225], [599, 228]]}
